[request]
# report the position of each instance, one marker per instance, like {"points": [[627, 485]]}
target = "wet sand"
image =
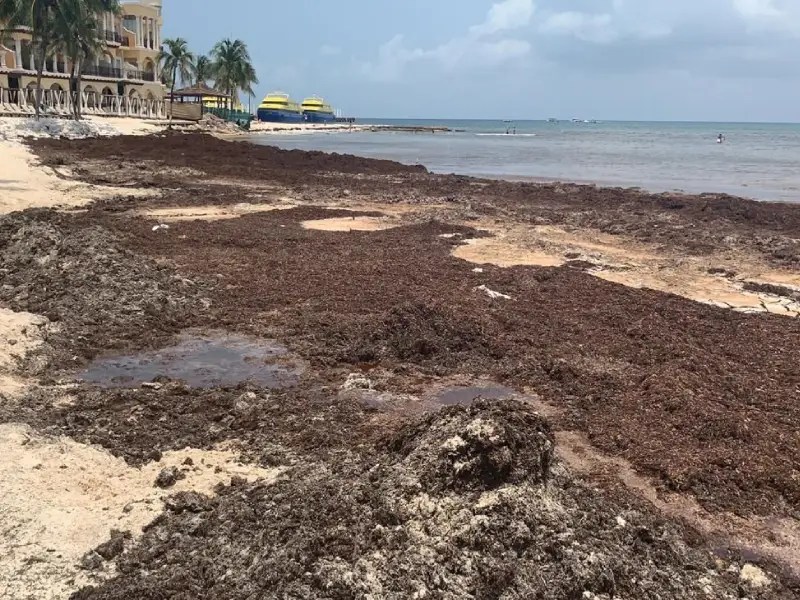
{"points": [[643, 327]]}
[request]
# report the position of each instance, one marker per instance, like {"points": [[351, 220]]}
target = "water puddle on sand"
{"points": [[464, 396], [211, 360], [414, 405]]}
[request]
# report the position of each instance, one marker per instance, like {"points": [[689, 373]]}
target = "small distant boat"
{"points": [[277, 107], [316, 111], [552, 120]]}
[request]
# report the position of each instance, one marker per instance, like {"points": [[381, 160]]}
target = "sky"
{"points": [[671, 60]]}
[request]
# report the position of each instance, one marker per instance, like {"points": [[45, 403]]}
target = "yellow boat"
{"points": [[277, 107], [316, 111]]}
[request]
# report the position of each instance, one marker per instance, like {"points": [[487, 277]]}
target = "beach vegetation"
{"points": [[203, 69], [67, 25], [78, 36], [233, 69], [176, 58]]}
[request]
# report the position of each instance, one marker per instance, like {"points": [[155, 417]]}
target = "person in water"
{"points": [[720, 138]]}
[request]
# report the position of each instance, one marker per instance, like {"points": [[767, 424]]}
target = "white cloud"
{"points": [[586, 27], [510, 14], [393, 57], [480, 46], [503, 50], [779, 16], [757, 8]]}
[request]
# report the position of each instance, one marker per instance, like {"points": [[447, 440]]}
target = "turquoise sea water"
{"points": [[757, 160]]}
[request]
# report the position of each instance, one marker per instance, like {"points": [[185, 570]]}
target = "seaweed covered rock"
{"points": [[478, 447]]}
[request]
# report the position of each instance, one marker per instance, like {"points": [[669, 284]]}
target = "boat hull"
{"points": [[314, 116], [272, 115]]}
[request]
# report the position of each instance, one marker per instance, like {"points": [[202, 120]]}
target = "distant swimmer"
{"points": [[720, 138]]}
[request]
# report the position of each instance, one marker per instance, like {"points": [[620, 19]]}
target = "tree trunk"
{"points": [[78, 79], [172, 95], [72, 87], [39, 72]]}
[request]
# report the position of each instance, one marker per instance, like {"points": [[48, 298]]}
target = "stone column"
{"points": [[33, 57], [17, 53], [139, 31]]}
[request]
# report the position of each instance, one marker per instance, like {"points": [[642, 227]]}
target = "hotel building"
{"points": [[127, 66]]}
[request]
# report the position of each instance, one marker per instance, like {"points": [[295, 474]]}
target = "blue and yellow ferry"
{"points": [[277, 107]]}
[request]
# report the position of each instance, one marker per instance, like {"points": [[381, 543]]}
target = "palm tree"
{"points": [[233, 68], [38, 15], [176, 58], [203, 69], [52, 22], [77, 33]]}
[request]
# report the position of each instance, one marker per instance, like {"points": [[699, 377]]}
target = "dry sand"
{"points": [[289, 128], [60, 499], [633, 264], [20, 333], [501, 252], [350, 224], [25, 184], [209, 212]]}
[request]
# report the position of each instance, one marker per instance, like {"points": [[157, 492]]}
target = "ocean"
{"points": [[757, 160]]}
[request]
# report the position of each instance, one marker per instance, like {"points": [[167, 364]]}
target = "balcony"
{"points": [[139, 75], [111, 37], [102, 71]]}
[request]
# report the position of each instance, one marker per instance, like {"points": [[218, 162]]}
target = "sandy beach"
{"points": [[463, 387], [283, 128]]}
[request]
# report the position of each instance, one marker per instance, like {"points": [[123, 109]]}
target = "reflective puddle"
{"points": [[211, 360], [463, 396], [406, 404]]}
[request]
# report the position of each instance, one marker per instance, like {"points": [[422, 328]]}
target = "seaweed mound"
{"points": [[468, 503], [82, 278], [478, 447]]}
